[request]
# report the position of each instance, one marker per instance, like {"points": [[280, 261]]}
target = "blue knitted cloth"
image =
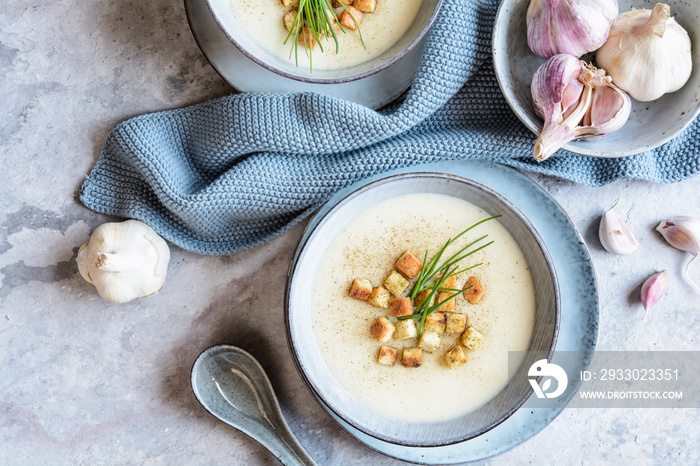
{"points": [[230, 174]]}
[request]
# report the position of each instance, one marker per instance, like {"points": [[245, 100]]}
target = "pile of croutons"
{"points": [[350, 17], [444, 321]]}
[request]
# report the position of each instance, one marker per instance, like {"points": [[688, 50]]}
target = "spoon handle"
{"points": [[275, 435], [287, 448]]}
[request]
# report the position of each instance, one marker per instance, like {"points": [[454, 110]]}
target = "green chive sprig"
{"points": [[434, 274], [318, 18]]}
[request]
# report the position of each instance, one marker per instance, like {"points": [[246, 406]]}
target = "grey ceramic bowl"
{"points": [[223, 14], [651, 124], [299, 312], [243, 74]]}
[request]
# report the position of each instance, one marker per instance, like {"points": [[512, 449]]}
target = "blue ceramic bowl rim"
{"points": [[304, 241], [345, 79]]}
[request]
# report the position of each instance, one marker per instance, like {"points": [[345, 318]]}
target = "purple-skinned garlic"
{"points": [[653, 289], [574, 27], [575, 100]]}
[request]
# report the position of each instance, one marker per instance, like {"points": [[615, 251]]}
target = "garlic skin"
{"points": [[615, 235], [653, 289], [574, 27], [683, 233], [124, 261], [575, 100], [647, 53]]}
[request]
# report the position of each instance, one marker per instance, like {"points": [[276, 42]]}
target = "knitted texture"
{"points": [[232, 173]]}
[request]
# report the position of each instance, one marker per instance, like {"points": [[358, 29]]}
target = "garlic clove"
{"points": [[551, 82], [575, 100], [610, 106], [573, 27], [648, 53], [571, 97], [607, 103], [653, 289], [615, 235], [683, 232], [82, 262], [124, 261]]}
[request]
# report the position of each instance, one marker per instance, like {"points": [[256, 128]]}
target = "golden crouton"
{"points": [[395, 283], [366, 6], [400, 307], [387, 356], [412, 357], [290, 3], [308, 39], [351, 18], [382, 329], [472, 339], [420, 297], [473, 294], [435, 322], [429, 341], [450, 282], [405, 329], [455, 357], [360, 289], [333, 19], [449, 306], [456, 323], [339, 3], [409, 265], [379, 297], [290, 18]]}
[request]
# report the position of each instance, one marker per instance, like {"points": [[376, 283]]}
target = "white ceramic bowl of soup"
{"points": [[395, 28], [360, 237]]}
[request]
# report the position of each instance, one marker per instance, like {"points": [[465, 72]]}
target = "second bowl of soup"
{"points": [[384, 36]]}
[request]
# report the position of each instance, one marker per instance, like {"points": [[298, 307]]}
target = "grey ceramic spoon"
{"points": [[232, 385]]}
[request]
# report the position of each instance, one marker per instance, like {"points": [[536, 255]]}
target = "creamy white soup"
{"points": [[368, 248], [262, 19]]}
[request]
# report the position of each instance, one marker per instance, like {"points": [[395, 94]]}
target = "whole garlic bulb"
{"points": [[575, 100], [574, 27], [124, 261], [647, 53]]}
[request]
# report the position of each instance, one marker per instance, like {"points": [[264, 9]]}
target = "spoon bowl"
{"points": [[232, 385]]}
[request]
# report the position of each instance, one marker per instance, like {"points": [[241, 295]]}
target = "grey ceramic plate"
{"points": [[651, 124], [299, 310], [578, 327], [374, 91]]}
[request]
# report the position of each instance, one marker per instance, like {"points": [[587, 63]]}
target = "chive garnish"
{"points": [[318, 18], [432, 276]]}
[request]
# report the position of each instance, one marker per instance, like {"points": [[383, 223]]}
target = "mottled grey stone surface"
{"points": [[85, 381]]}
